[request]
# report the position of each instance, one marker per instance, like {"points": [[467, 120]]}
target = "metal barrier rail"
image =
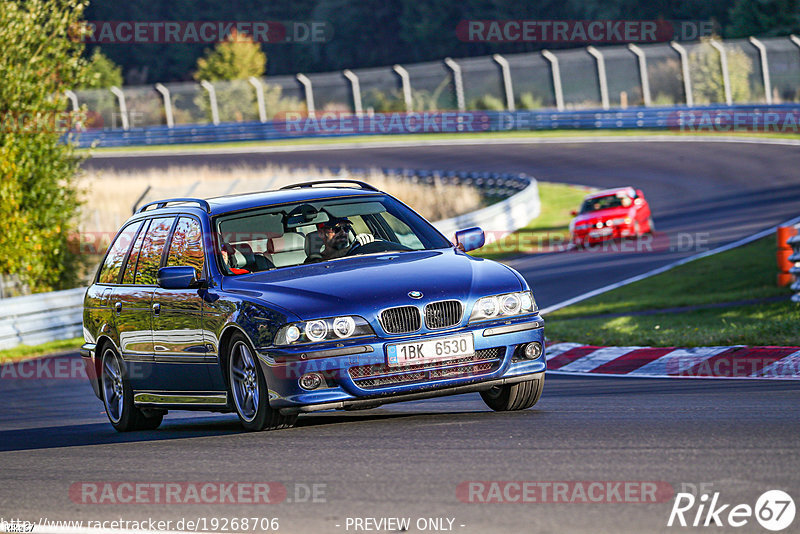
{"points": [[794, 242], [40, 318], [778, 118], [58, 315]]}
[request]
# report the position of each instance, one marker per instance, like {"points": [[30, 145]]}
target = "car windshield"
{"points": [[273, 237], [605, 202]]}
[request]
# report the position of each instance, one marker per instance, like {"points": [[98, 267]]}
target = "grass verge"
{"points": [[744, 273], [23, 352], [551, 227], [434, 137]]}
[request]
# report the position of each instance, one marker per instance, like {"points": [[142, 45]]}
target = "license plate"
{"points": [[600, 233], [443, 348]]}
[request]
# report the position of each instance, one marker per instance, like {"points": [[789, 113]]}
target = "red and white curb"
{"points": [[738, 361]]}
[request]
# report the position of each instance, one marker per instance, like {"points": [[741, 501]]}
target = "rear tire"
{"points": [[651, 226], [249, 390], [118, 397], [513, 397]]}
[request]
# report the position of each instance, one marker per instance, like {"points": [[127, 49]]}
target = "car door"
{"points": [[131, 309], [181, 354]]}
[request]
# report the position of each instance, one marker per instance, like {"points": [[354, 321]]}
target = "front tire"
{"points": [[249, 389], [513, 397], [118, 397]]}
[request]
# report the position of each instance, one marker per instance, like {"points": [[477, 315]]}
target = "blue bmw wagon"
{"points": [[318, 296]]}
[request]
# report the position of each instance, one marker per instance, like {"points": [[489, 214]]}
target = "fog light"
{"points": [[533, 350], [310, 381]]}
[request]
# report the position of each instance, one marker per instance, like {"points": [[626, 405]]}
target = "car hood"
{"points": [[602, 215], [364, 285]]}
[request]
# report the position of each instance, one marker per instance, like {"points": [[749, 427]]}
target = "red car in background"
{"points": [[611, 214]]}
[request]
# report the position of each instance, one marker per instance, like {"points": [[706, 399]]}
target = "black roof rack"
{"points": [[163, 203], [362, 185]]}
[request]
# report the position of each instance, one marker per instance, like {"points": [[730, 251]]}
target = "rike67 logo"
{"points": [[774, 510]]}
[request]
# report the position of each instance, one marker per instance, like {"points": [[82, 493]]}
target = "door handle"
{"points": [[118, 307], [156, 308]]}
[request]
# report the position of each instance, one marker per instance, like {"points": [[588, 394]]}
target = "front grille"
{"points": [[443, 314], [401, 320], [483, 362]]}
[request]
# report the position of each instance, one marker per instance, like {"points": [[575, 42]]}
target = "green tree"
{"points": [[236, 58], [764, 18], [38, 199], [102, 73], [230, 64], [706, 72]]}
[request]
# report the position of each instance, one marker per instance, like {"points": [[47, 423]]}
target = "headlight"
{"points": [[319, 330], [506, 305]]}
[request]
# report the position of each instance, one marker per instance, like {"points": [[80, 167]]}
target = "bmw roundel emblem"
{"points": [[415, 294]]}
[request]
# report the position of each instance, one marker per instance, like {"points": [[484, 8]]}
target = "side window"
{"points": [[186, 247], [152, 249], [109, 272], [133, 258]]}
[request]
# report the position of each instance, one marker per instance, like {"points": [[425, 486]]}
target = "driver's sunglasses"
{"points": [[340, 228]]}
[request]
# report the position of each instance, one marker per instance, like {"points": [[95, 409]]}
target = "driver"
{"points": [[335, 234]]}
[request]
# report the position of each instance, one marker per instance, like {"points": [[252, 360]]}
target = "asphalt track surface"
{"points": [[406, 460]]}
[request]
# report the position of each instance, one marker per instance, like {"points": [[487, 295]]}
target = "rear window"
{"points": [[109, 272]]}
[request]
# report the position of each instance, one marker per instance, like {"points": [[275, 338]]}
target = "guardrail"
{"points": [[40, 318], [44, 317], [794, 242], [778, 118]]}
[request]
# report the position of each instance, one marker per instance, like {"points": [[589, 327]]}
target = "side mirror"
{"points": [[639, 193], [470, 239], [181, 277], [574, 212]]}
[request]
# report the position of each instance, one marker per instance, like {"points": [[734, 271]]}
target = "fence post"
{"points": [[723, 63], [405, 81], [212, 98], [687, 81], [601, 75], [73, 99], [123, 108], [557, 89], [350, 75], [458, 81], [259, 88], [762, 53], [643, 75], [507, 83], [161, 88], [309, 92]]}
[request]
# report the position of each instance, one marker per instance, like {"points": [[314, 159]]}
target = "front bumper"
{"points": [[357, 375], [598, 235]]}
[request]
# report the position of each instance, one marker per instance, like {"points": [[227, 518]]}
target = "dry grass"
{"points": [[110, 195]]}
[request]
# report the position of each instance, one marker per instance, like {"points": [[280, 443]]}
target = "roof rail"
{"points": [[163, 203], [362, 185]]}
